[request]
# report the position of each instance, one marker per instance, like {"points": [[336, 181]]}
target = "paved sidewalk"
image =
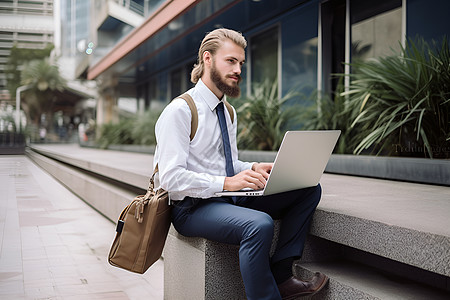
{"points": [[55, 246]]}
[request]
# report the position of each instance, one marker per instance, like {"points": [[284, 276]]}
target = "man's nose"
{"points": [[237, 69]]}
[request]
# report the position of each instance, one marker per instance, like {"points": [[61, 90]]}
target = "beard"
{"points": [[232, 91]]}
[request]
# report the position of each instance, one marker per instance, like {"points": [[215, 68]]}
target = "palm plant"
{"points": [[329, 113], [17, 59], [402, 102], [43, 78], [264, 117]]}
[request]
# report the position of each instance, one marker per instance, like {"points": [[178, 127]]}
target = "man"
{"points": [[193, 171]]}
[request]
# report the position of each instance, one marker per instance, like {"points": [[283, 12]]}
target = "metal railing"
{"points": [[133, 6]]}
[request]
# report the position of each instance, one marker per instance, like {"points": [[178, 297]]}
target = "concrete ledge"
{"points": [[390, 219], [134, 169], [420, 249], [12, 150], [193, 267], [421, 170], [106, 198], [349, 280], [404, 222], [197, 268]]}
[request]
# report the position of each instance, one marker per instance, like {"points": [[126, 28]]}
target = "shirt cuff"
{"points": [[217, 184]]}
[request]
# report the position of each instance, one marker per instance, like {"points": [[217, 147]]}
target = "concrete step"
{"points": [[133, 169], [350, 280], [107, 197], [405, 225], [366, 275], [401, 221]]}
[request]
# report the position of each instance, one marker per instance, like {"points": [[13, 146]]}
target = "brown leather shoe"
{"points": [[294, 287]]}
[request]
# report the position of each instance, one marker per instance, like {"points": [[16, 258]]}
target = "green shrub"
{"points": [[143, 131], [263, 117], [402, 102], [329, 113], [137, 131], [116, 134]]}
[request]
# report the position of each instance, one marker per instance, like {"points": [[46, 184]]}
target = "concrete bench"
{"points": [[197, 268], [376, 240], [365, 234]]}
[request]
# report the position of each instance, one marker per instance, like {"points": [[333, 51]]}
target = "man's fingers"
{"points": [[256, 179], [263, 168], [245, 179]]}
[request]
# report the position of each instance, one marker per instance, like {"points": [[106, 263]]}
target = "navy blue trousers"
{"points": [[248, 222]]}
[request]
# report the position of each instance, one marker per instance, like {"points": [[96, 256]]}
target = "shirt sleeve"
{"points": [[173, 130]]}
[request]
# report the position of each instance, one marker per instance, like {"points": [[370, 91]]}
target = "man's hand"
{"points": [[263, 169], [255, 178]]}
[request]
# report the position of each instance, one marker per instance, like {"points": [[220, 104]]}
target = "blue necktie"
{"points": [[225, 139]]}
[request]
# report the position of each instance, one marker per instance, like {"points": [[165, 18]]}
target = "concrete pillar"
{"points": [[107, 111]]}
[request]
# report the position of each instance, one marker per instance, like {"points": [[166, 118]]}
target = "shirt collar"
{"points": [[207, 95]]}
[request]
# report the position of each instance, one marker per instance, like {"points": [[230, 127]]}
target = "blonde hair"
{"points": [[211, 42]]}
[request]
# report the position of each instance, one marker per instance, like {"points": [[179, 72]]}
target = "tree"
{"points": [[44, 79], [17, 59]]}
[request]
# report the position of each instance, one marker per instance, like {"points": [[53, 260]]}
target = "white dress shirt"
{"points": [[194, 168]]}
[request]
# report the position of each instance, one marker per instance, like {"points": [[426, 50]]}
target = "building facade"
{"points": [[27, 24], [298, 43]]}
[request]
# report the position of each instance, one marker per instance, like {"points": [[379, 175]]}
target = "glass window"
{"points": [[142, 97], [176, 77], [376, 29], [300, 66], [157, 91], [187, 78], [264, 56], [299, 50], [163, 82], [151, 6]]}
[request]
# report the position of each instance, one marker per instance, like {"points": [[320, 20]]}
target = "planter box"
{"points": [[12, 143]]}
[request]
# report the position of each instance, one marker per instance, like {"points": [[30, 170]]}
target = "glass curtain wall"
{"points": [[264, 57], [299, 34], [376, 28], [282, 47], [75, 27]]}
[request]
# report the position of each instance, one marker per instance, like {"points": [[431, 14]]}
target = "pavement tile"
{"points": [[8, 288], [55, 246]]}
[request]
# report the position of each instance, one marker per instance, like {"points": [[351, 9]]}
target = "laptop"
{"points": [[299, 163]]}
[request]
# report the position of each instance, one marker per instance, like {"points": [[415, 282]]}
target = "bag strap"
{"points": [[194, 121], [230, 110], [194, 125]]}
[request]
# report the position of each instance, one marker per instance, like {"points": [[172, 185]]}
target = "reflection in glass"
{"points": [[264, 56], [377, 36]]}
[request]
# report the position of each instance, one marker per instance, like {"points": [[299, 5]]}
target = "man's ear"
{"points": [[207, 58]]}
